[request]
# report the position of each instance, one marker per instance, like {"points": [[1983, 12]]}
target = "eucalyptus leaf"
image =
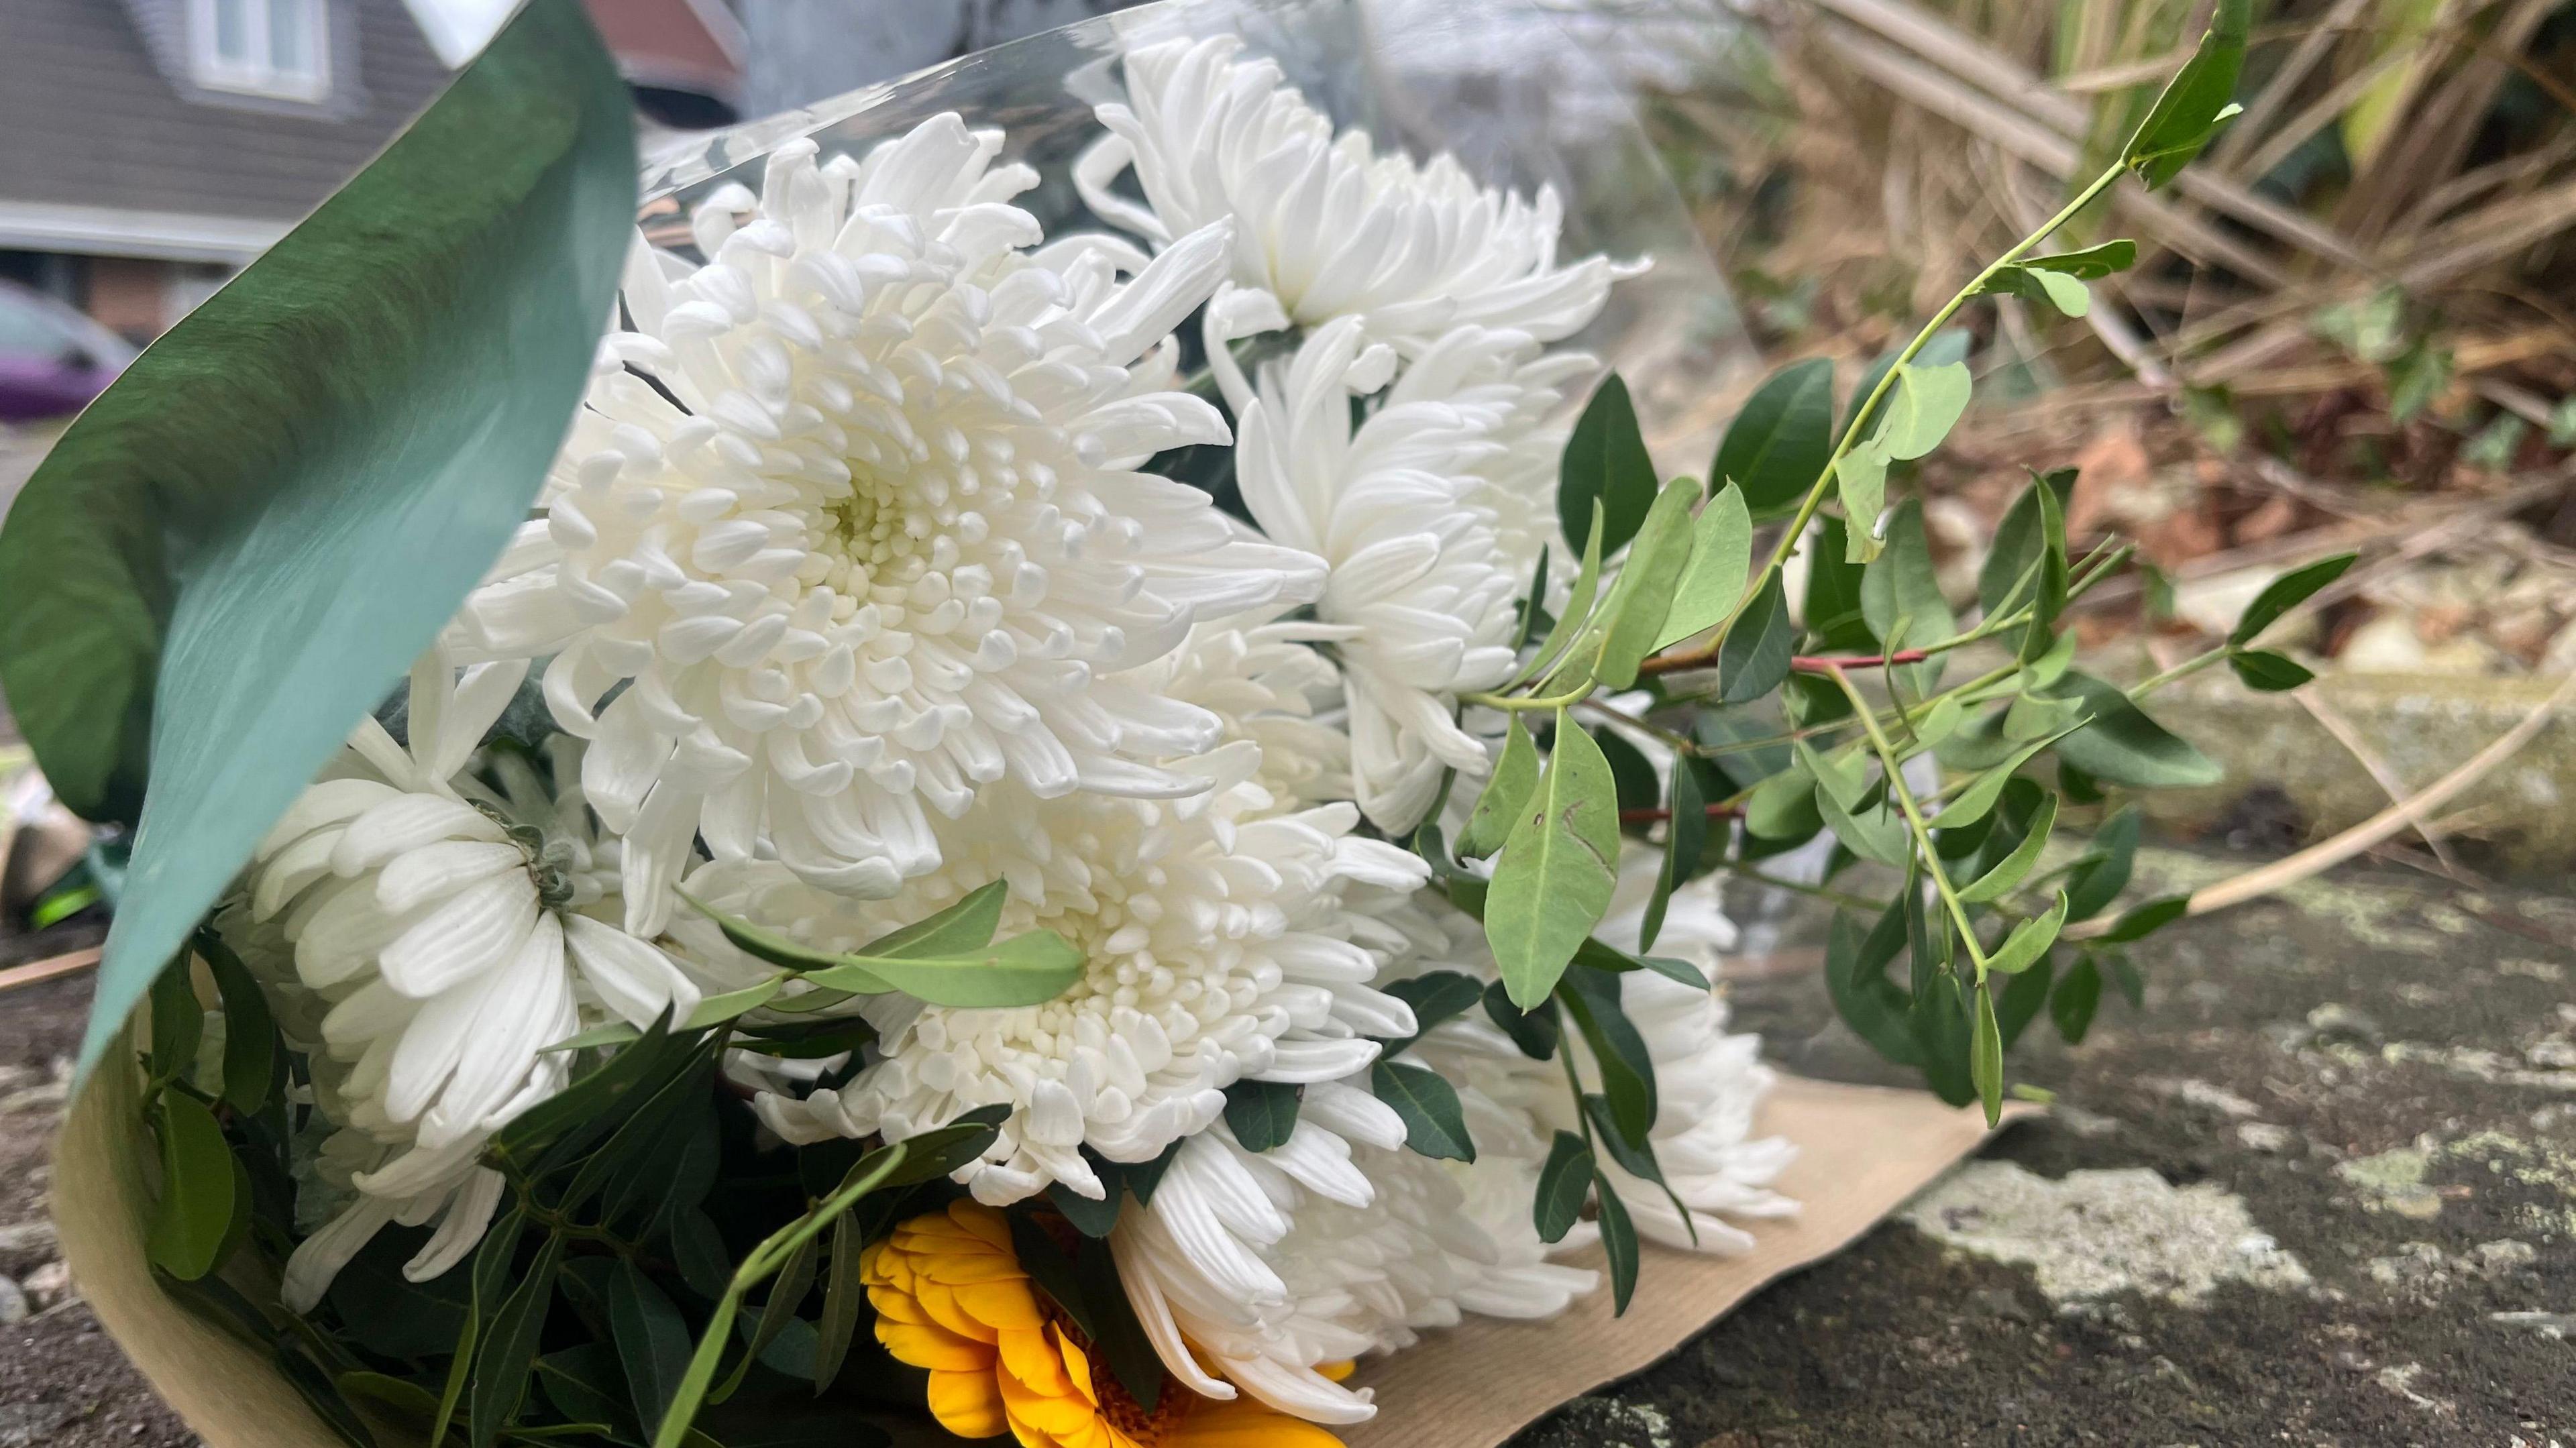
{"points": [[2029, 940], [1534, 1031], [1758, 648], [1685, 837], [1860, 480], [1619, 1053], [1901, 587], [1928, 402], [1618, 1243], [2013, 868], [509, 1348], [1856, 977], [961, 929], [1499, 804], [2092, 263], [2285, 593], [2038, 284], [236, 551], [2020, 539], [1605, 461], [1578, 609], [1564, 1182], [1986, 1058], [1435, 996], [1971, 804], [1261, 1114], [2121, 745], [1558, 869], [652, 1340], [1632, 618], [1721, 560], [1873, 832], [250, 1035], [2141, 921], [1435, 1125], [200, 1195], [2099, 878], [2268, 672], [2195, 102], [1777, 446], [2077, 995]]}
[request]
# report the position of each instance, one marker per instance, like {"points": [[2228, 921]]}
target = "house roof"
{"points": [[113, 150]]}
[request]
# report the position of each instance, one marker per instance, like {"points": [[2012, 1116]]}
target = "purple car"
{"points": [[53, 360]]}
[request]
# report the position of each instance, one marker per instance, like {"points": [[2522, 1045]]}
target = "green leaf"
{"points": [[1618, 1243], [1434, 1123], [2125, 975], [1758, 648], [1534, 1031], [2268, 672], [1578, 611], [1026, 970], [509, 1348], [232, 555], [1605, 459], [1860, 481], [1534, 604], [2195, 102], [845, 1296], [1619, 1053], [2144, 920], [1558, 869], [2048, 592], [1856, 977], [1971, 804], [652, 1341], [1685, 836], [1948, 345], [1435, 996], [1055, 1270], [1261, 1114], [961, 929], [250, 1036], [1986, 1058], [1632, 618], [1833, 613], [2077, 996], [2020, 540], [1563, 1184], [1783, 807], [1499, 805], [2090, 264], [178, 1022], [2123, 746], [2012, 869], [1873, 832], [1721, 560], [1632, 777], [1776, 448], [2029, 940], [1122, 1339], [2024, 996], [1928, 402], [1900, 587], [2037, 284], [2285, 593], [2104, 872], [200, 1193], [1942, 1033]]}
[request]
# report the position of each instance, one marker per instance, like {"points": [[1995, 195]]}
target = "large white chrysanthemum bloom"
{"points": [[1260, 675], [426, 935], [1430, 516], [1219, 950], [1339, 1242], [855, 508], [1324, 224]]}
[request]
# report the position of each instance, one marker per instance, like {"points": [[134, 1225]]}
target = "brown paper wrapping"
{"points": [[1862, 1152]]}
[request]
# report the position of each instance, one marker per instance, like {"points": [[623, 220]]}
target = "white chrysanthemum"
{"points": [[1339, 1242], [1430, 515], [1263, 680], [1324, 224], [427, 934], [854, 506], [1219, 950]]}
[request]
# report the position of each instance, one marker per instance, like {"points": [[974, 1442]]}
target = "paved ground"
{"points": [[2321, 1191]]}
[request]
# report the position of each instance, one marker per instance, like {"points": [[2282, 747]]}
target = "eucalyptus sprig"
{"points": [[1786, 724]]}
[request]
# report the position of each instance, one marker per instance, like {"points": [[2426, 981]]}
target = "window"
{"points": [[262, 47]]}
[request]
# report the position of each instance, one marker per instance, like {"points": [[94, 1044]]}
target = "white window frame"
{"points": [[259, 76]]}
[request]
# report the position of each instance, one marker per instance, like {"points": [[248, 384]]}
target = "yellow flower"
{"points": [[951, 1297]]}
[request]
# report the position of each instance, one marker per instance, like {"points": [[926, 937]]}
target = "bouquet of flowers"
{"points": [[1070, 826]]}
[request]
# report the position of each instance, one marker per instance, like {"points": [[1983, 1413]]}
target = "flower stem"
{"points": [[1922, 832]]}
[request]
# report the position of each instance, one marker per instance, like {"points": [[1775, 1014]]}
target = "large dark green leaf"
{"points": [[235, 552], [2124, 746], [1605, 461], [2195, 102], [1776, 448]]}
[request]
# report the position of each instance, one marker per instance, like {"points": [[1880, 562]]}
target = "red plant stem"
{"points": [[1827, 663], [1649, 816]]}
